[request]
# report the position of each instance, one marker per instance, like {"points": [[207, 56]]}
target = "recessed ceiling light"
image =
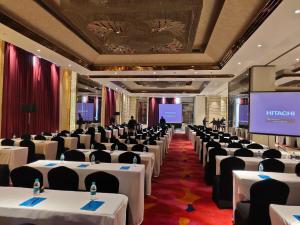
{"points": [[259, 45], [116, 88], [38, 50], [297, 11], [239, 63], [116, 73], [297, 59], [69, 65]]}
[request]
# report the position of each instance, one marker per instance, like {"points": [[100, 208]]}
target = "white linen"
{"points": [[131, 181], [86, 140], [70, 142], [98, 137], [155, 149], [47, 148], [252, 163], [108, 133], [243, 180], [284, 214], [13, 156], [121, 130], [61, 208], [147, 158]]}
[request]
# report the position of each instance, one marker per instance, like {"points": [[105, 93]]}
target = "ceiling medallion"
{"points": [[167, 25], [103, 28], [119, 49], [174, 46]]}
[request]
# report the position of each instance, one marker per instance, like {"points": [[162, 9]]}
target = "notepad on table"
{"points": [[51, 164], [124, 167], [83, 165], [264, 177], [32, 201], [92, 205]]}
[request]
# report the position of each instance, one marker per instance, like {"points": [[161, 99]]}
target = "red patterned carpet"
{"points": [[181, 183]]}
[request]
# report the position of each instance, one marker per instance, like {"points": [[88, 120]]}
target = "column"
{"points": [[64, 99], [199, 109]]}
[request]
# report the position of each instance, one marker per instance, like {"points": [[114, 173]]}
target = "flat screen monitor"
{"points": [[86, 110], [275, 113], [171, 112], [243, 115]]}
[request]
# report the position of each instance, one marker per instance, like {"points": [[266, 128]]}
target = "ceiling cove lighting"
{"points": [[297, 11], [38, 50], [259, 45], [297, 59], [239, 63]]}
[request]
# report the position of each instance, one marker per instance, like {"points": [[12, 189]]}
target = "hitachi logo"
{"points": [[280, 113]]}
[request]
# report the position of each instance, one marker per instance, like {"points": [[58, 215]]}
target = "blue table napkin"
{"points": [[264, 177], [297, 217], [83, 165], [32, 201], [51, 164], [124, 167], [92, 205]]}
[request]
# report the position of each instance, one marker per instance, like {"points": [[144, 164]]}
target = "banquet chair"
{"points": [[4, 175], [262, 194], [78, 131], [297, 169], [223, 185], [102, 131], [32, 156], [91, 131], [79, 145], [25, 176], [150, 142], [47, 134], [114, 140], [235, 138], [243, 152], [127, 157], [101, 156], [210, 167], [225, 140], [245, 142], [105, 182], [139, 148], [226, 135], [26, 137], [271, 153], [131, 141], [213, 144], [62, 134], [104, 139], [235, 145], [255, 146], [65, 132], [124, 136], [99, 146], [121, 146], [74, 155], [7, 142], [273, 165], [60, 146], [40, 137], [63, 178]]}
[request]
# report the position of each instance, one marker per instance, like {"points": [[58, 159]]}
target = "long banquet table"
{"points": [[243, 180], [13, 156], [131, 181], [152, 148], [284, 214], [60, 207], [147, 158]]}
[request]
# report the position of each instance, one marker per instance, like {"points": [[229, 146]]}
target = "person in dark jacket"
{"points": [[162, 122], [132, 124], [80, 120]]}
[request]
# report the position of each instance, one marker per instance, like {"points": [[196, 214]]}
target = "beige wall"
{"points": [[125, 112], [216, 107], [132, 107], [263, 79], [199, 109], [73, 101], [65, 99]]}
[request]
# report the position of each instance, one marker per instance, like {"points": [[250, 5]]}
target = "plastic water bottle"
{"points": [[93, 191], [144, 149], [294, 155], [134, 160], [93, 159], [36, 187], [62, 157], [260, 169], [148, 143], [14, 136], [116, 147]]}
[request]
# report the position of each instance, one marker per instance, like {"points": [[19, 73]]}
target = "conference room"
{"points": [[164, 112]]}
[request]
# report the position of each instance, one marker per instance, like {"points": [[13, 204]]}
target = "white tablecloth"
{"points": [[131, 182], [253, 162], [155, 149], [70, 142], [47, 148], [13, 156], [243, 180], [284, 214], [61, 208], [86, 140], [98, 137], [147, 158]]}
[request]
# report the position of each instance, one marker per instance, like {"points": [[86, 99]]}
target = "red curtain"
{"points": [[29, 80], [153, 113], [110, 105]]}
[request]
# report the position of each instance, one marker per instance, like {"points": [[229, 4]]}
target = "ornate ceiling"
{"points": [[157, 86], [125, 35]]}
